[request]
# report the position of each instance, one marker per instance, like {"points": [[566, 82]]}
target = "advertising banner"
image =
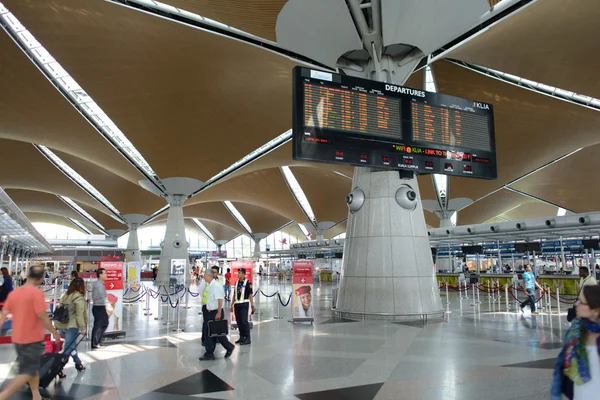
{"points": [[178, 270], [134, 270], [114, 291], [303, 308]]}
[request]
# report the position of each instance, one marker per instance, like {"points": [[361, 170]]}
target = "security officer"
{"points": [[241, 298]]}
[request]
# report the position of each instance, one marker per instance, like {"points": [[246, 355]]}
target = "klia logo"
{"points": [[483, 106]]}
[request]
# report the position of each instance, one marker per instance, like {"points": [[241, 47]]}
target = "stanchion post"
{"points": [[558, 299], [54, 297], [506, 294], [478, 302], [178, 329], [147, 309], [447, 299]]}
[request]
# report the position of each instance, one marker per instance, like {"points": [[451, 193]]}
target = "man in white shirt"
{"points": [[214, 308]]}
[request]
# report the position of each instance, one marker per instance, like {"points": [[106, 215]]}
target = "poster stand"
{"points": [[302, 291], [114, 291]]}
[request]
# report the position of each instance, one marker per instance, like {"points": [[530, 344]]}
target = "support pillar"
{"points": [[388, 267], [257, 238], [174, 245], [134, 221]]}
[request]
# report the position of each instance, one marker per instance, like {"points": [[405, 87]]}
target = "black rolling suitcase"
{"points": [[52, 363]]}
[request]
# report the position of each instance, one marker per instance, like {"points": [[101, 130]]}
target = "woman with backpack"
{"points": [[74, 301]]}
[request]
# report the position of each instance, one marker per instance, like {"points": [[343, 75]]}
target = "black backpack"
{"points": [[61, 314]]}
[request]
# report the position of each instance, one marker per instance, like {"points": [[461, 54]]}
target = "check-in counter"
{"points": [[568, 284]]}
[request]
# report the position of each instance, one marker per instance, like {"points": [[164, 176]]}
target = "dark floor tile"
{"points": [[336, 321], [547, 363], [365, 392], [58, 392], [200, 383], [156, 342], [167, 396]]}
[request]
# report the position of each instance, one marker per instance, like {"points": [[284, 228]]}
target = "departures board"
{"points": [[349, 120]]}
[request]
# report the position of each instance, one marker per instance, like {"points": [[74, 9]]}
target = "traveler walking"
{"points": [[23, 276], [530, 284], [215, 312], [227, 286], [588, 279], [7, 285], [100, 309], [242, 296], [74, 300], [29, 318], [577, 368]]}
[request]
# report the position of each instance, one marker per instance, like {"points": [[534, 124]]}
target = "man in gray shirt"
{"points": [[99, 310]]}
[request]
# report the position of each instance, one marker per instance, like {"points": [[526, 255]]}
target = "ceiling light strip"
{"points": [[238, 216], [156, 214], [190, 19], [83, 213], [540, 88], [561, 212], [304, 230], [298, 194], [73, 92], [203, 228], [79, 225], [80, 181]]}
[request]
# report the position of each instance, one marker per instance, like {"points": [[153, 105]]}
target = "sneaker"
{"points": [[229, 352], [245, 341], [207, 358], [535, 313], [99, 347]]}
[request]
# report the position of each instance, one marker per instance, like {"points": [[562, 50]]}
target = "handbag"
{"points": [[571, 314], [218, 328], [61, 314]]}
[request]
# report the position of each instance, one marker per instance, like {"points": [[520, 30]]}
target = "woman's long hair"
{"points": [[5, 273], [77, 285], [592, 295]]}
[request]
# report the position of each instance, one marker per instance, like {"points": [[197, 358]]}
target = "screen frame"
{"points": [[298, 127]]}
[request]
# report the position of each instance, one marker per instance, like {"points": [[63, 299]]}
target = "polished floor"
{"points": [[477, 352]]}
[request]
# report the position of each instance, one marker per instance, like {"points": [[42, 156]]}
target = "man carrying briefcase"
{"points": [[214, 307]]}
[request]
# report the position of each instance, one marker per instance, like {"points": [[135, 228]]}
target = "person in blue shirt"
{"points": [[530, 284]]}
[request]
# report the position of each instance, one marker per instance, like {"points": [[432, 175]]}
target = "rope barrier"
{"points": [[288, 300], [266, 295], [134, 299]]}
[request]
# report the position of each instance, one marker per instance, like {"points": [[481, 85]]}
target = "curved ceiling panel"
{"points": [[220, 101], [127, 197], [261, 220], [24, 167], [257, 17], [336, 230], [32, 110], [548, 41], [32, 201], [282, 156], [531, 129], [264, 188], [295, 231], [326, 192], [535, 209], [106, 220], [494, 205], [220, 231], [211, 211], [569, 183], [51, 219]]}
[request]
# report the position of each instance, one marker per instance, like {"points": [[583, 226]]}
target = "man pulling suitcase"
{"points": [[28, 308]]}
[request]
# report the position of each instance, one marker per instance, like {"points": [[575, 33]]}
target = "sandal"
{"points": [[62, 375], [79, 367]]}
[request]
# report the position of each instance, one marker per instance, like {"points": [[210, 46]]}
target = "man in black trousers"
{"points": [[214, 307], [100, 309], [242, 296]]}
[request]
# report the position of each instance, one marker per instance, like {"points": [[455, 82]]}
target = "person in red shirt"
{"points": [[227, 285], [28, 308]]}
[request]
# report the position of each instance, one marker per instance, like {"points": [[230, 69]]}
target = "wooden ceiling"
{"points": [[550, 41], [570, 183], [175, 104], [54, 219], [261, 220], [530, 128], [33, 111], [257, 17]]}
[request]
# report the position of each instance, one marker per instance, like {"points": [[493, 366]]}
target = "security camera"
{"points": [[355, 200], [406, 197], [89, 243], [520, 226], [584, 220], [550, 223], [177, 244]]}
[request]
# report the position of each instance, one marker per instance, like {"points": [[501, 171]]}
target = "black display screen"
{"points": [[349, 120]]}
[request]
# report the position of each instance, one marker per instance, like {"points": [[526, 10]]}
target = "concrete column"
{"points": [[445, 223], [387, 266], [257, 238], [174, 245], [134, 221], [445, 263], [220, 244]]}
